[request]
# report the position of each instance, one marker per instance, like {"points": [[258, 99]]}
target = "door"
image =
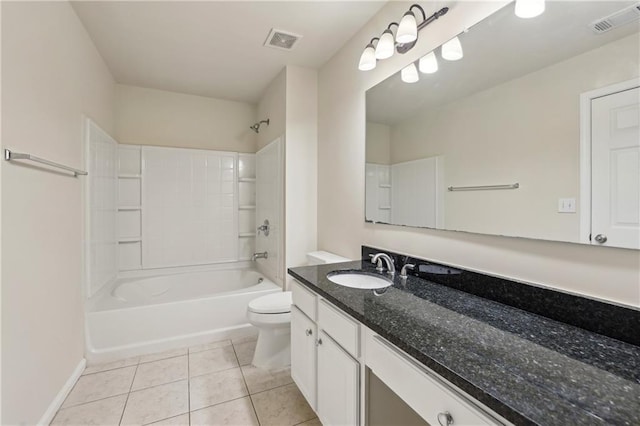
{"points": [[615, 174], [338, 384], [303, 354]]}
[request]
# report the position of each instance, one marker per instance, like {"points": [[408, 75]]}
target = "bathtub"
{"points": [[150, 312]]}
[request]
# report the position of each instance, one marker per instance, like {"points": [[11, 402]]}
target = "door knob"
{"points": [[601, 239]]}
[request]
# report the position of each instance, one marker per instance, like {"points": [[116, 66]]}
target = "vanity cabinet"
{"points": [[324, 348]]}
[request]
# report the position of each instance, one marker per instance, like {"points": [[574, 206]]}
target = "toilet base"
{"points": [[273, 349]]}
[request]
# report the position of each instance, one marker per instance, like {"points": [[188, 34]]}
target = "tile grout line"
{"points": [[129, 393], [244, 379]]}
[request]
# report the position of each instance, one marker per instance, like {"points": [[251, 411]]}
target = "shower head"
{"points": [[256, 126]]}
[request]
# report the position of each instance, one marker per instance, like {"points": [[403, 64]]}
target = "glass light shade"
{"points": [[529, 8], [452, 50], [409, 74], [408, 29], [385, 46], [428, 63], [367, 59]]}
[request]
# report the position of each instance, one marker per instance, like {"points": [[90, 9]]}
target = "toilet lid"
{"points": [[277, 303]]}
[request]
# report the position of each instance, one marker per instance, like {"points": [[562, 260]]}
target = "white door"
{"points": [[338, 384], [303, 354], [615, 170]]}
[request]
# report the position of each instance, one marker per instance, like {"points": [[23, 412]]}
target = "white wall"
{"points": [[607, 273], [301, 148], [272, 105], [157, 117], [51, 75]]}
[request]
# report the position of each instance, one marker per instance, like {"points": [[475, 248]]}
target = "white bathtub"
{"points": [[150, 313]]}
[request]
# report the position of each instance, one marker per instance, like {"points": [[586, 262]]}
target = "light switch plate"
{"points": [[566, 205]]}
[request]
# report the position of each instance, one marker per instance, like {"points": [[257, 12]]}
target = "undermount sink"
{"points": [[359, 279]]}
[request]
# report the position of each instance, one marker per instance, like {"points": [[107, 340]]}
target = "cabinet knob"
{"points": [[446, 418], [308, 332], [318, 342]]}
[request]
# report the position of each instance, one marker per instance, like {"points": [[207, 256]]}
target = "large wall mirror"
{"points": [[533, 133]]}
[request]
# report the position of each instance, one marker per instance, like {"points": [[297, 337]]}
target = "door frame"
{"points": [[585, 150]]}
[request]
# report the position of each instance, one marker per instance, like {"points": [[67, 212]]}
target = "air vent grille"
{"points": [[624, 16], [283, 40]]}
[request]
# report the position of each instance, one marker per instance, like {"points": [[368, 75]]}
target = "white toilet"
{"points": [[271, 314]]}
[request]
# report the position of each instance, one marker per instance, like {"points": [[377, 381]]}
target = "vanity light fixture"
{"points": [[529, 8], [406, 37], [408, 28], [368, 57], [386, 44], [409, 74], [428, 64], [452, 50]]}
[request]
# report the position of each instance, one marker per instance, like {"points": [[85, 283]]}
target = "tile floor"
{"points": [[211, 384]]}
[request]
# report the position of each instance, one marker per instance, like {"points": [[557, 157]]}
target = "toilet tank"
{"points": [[322, 257]]}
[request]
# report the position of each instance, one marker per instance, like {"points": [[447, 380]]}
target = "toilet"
{"points": [[271, 314]]}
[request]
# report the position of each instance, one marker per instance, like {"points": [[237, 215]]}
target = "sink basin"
{"points": [[359, 279]]}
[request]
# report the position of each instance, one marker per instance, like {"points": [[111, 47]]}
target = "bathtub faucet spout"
{"points": [[263, 255]]}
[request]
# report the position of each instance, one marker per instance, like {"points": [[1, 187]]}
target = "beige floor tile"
{"points": [[156, 403], [103, 412], [249, 338], [238, 412], [283, 406], [211, 361], [209, 346], [182, 420], [100, 385], [160, 372], [314, 422], [163, 355], [244, 352], [110, 365], [215, 388], [259, 380]]}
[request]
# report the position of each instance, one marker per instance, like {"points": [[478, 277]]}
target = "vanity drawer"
{"points": [[341, 328], [425, 392], [304, 299]]}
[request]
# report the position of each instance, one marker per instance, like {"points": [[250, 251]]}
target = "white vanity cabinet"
{"points": [[324, 348], [329, 353]]}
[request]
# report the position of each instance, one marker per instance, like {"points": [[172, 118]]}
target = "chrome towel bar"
{"points": [[484, 187], [12, 156]]}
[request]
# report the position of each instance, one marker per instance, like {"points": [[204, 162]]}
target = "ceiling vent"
{"points": [[282, 40], [624, 16]]}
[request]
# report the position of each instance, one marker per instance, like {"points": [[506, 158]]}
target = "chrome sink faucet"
{"points": [[263, 255], [378, 258]]}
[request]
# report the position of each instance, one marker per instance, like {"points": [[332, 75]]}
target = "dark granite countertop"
{"points": [[527, 368]]}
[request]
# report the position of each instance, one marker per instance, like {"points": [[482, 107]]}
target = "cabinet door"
{"points": [[338, 384], [303, 354]]}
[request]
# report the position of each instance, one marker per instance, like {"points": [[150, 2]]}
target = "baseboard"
{"points": [[55, 405]]}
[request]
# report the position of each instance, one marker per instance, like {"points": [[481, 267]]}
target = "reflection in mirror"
{"points": [[492, 143]]}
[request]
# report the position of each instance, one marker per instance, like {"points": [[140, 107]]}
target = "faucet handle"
{"points": [[378, 260], [403, 272]]}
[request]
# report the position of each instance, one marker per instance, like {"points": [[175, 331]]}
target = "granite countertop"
{"points": [[525, 367]]}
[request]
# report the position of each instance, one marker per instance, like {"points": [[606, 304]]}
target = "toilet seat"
{"points": [[276, 303]]}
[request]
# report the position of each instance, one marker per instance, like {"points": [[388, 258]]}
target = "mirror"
{"points": [[533, 133]]}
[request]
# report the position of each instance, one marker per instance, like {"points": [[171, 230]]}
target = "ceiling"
{"points": [[496, 50], [215, 48]]}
